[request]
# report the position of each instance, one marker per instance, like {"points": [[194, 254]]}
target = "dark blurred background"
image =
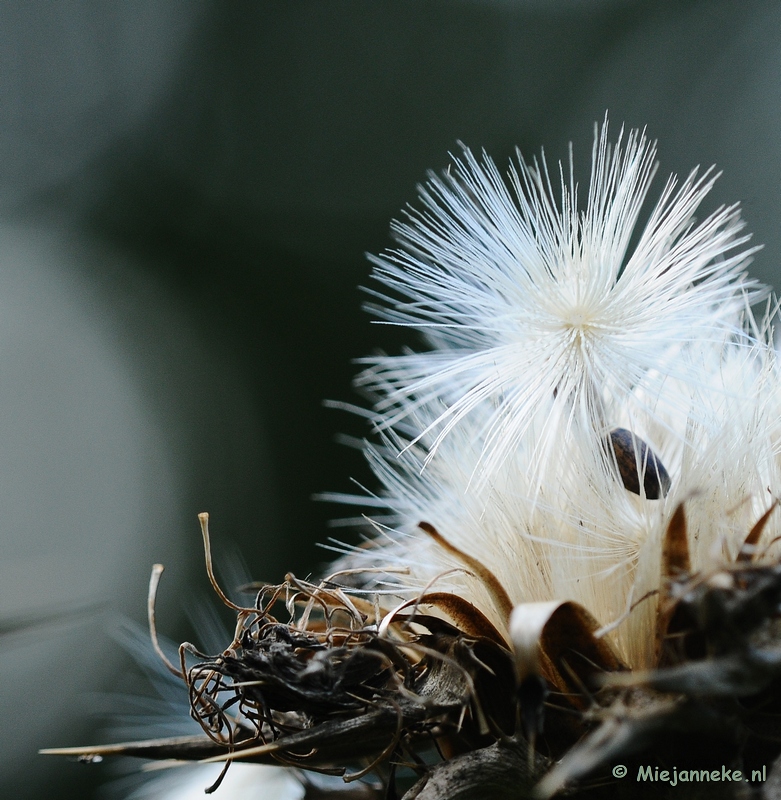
{"points": [[187, 191]]}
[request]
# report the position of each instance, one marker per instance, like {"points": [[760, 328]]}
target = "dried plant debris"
{"points": [[571, 568], [342, 686], [318, 678]]}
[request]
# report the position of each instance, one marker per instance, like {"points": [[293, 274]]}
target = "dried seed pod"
{"points": [[637, 461]]}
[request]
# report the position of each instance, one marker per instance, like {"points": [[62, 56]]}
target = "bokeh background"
{"points": [[187, 191]]}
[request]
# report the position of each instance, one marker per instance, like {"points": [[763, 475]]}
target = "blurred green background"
{"points": [[187, 192]]}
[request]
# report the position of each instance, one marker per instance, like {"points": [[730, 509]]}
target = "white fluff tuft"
{"points": [[539, 310], [547, 331]]}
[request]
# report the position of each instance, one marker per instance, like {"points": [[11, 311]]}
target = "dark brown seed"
{"points": [[632, 452]]}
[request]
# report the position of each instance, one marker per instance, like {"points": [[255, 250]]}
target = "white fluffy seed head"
{"points": [[541, 311], [546, 330]]}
